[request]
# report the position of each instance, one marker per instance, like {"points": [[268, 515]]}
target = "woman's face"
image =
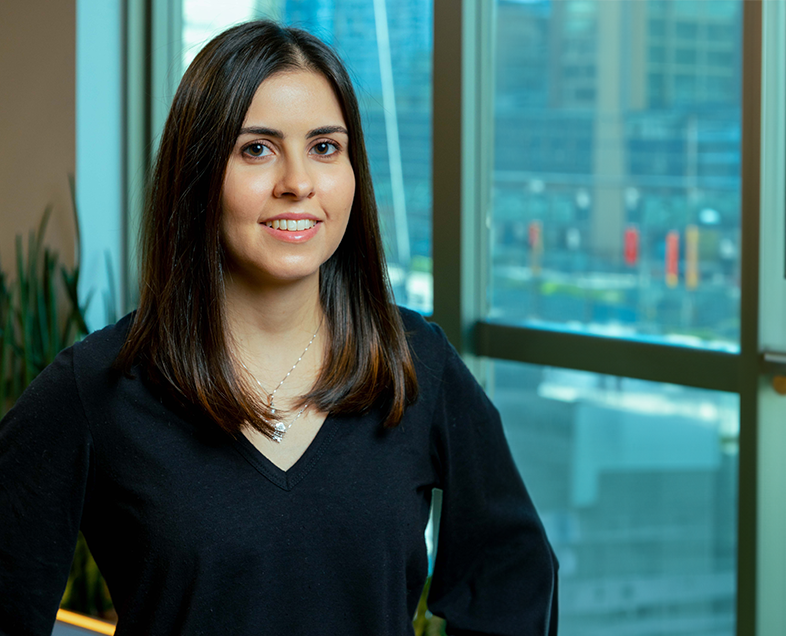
{"points": [[289, 184]]}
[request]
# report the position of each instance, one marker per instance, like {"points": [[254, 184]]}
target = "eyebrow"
{"points": [[272, 132]]}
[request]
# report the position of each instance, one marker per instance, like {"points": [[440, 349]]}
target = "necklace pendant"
{"points": [[279, 429], [278, 434]]}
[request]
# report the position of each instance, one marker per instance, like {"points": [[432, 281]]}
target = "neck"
{"points": [[269, 321]]}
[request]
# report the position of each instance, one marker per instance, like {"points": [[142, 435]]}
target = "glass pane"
{"points": [[616, 175], [387, 48], [636, 483]]}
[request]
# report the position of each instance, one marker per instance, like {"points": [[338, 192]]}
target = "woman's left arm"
{"points": [[495, 572]]}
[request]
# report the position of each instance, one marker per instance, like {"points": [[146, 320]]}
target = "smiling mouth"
{"points": [[289, 225]]}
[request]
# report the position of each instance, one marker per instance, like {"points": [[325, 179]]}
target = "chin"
{"points": [[290, 276]]}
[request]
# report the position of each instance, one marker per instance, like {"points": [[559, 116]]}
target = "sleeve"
{"points": [[495, 572], [45, 466]]}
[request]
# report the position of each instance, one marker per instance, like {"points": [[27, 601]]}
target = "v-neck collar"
{"points": [[288, 479]]}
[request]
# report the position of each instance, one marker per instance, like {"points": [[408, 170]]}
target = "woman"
{"points": [[254, 450]]}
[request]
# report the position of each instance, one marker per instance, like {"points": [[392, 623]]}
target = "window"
{"points": [[685, 56], [721, 58], [722, 31], [657, 54], [622, 225], [686, 29], [636, 484], [650, 245]]}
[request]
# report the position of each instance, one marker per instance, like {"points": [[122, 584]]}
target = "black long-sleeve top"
{"points": [[198, 533]]}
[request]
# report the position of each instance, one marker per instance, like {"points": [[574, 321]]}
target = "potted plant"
{"points": [[40, 314]]}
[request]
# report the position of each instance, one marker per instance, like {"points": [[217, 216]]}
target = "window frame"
{"points": [[463, 68]]}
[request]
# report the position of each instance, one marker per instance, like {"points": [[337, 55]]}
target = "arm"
{"points": [[495, 572], [45, 467]]}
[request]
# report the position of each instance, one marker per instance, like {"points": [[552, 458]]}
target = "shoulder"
{"points": [[102, 346], [427, 342], [438, 363], [97, 351], [421, 333], [439, 366], [59, 385]]}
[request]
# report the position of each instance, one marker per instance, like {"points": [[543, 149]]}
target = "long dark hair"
{"points": [[179, 331]]}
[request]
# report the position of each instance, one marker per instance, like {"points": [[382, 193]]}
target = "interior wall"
{"points": [[37, 121]]}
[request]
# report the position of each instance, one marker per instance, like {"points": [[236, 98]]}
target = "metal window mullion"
{"points": [[447, 193], [152, 71], [653, 362], [478, 162], [137, 106], [166, 56], [462, 124], [771, 432], [749, 318]]}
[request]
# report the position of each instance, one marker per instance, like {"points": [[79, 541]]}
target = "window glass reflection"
{"points": [[616, 176], [636, 483]]}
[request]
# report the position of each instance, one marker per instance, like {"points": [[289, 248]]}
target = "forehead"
{"points": [[295, 98]]}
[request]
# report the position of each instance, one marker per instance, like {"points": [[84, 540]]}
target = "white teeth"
{"points": [[291, 225]]}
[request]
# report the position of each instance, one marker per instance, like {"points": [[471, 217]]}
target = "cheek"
{"points": [[244, 192], [230, 202], [343, 191], [227, 234], [351, 191], [235, 214], [229, 214]]}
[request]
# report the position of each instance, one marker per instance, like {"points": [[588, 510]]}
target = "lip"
{"points": [[291, 216], [288, 236]]}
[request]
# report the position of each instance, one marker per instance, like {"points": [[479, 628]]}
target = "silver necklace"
{"points": [[281, 428]]}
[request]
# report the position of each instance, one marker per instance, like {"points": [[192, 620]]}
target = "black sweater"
{"points": [[198, 533]]}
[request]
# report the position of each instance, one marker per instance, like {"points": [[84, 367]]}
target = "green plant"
{"points": [[86, 591], [425, 623], [35, 327], [40, 314]]}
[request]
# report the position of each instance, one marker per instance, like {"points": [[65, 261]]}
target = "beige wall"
{"points": [[37, 120]]}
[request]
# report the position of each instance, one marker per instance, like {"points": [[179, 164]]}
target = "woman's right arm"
{"points": [[46, 467]]}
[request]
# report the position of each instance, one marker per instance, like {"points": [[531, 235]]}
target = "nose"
{"points": [[294, 180]]}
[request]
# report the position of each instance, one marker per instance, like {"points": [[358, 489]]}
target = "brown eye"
{"points": [[325, 148], [255, 150]]}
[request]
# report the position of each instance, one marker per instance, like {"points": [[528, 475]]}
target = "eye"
{"points": [[325, 148], [256, 149]]}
